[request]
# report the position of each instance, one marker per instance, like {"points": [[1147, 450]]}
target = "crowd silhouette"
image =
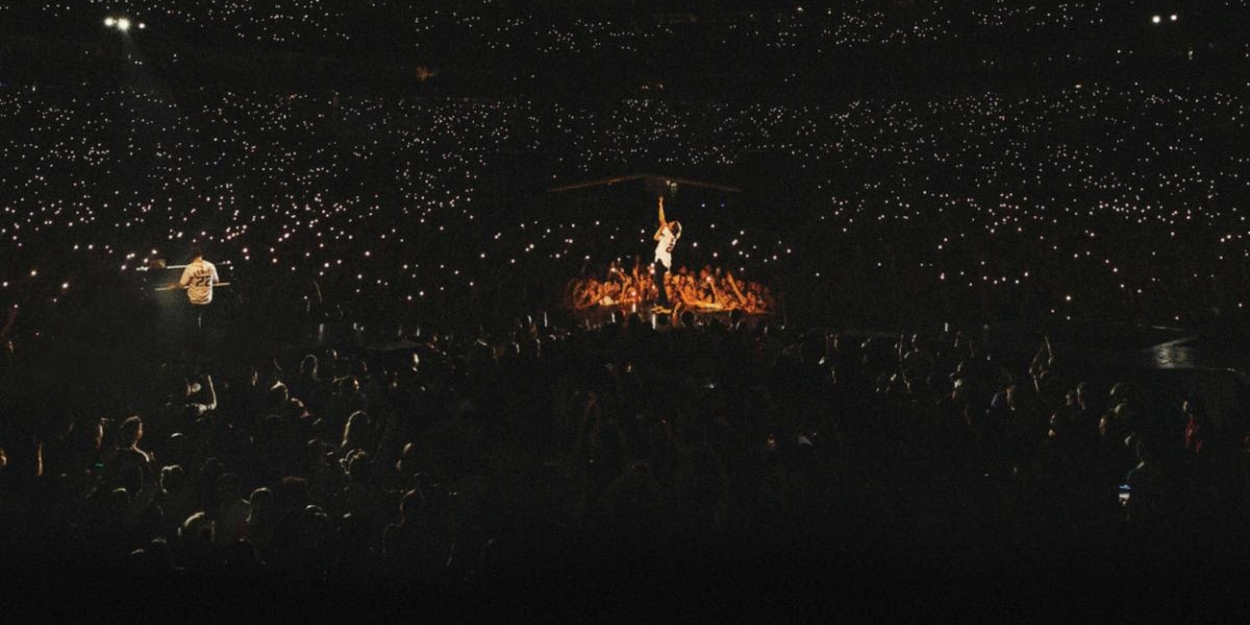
{"points": [[545, 461]]}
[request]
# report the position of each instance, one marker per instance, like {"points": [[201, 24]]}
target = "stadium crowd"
{"points": [[1067, 205], [553, 28], [475, 461]]}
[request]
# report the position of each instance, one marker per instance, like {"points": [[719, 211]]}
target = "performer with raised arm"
{"points": [[666, 238]]}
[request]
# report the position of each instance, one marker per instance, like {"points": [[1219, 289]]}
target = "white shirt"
{"points": [[664, 247], [199, 278]]}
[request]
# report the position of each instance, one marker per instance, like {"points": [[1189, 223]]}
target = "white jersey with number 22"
{"points": [[199, 278]]}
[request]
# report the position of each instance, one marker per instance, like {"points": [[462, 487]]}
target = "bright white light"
{"points": [[1173, 17], [1156, 19], [142, 26], [123, 24], [108, 21]]}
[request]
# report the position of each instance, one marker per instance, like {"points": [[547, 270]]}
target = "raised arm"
{"points": [[212, 392], [733, 284], [663, 222], [9, 323]]}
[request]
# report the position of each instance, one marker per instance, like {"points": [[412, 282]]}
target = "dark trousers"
{"points": [[660, 270], [198, 323]]}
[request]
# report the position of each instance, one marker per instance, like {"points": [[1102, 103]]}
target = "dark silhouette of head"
{"points": [[130, 433]]}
